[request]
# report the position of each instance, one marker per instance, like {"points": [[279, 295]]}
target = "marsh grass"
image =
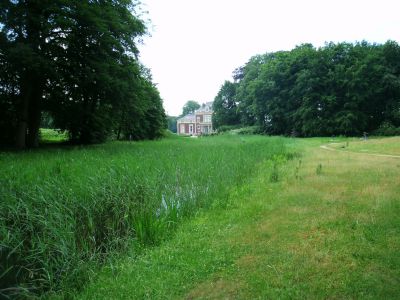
{"points": [[335, 236], [65, 211]]}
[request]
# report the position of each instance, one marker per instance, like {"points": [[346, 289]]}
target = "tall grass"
{"points": [[63, 211]]}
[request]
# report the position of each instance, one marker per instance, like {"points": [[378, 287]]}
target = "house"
{"points": [[198, 123]]}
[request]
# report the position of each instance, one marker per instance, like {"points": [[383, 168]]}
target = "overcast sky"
{"points": [[196, 44]]}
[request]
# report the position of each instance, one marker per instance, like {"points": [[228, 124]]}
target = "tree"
{"points": [[25, 54], [141, 115], [77, 61], [225, 107], [337, 89], [190, 107], [391, 82], [98, 76], [246, 77]]}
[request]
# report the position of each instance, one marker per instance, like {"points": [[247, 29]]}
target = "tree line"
{"points": [[338, 89], [75, 61]]}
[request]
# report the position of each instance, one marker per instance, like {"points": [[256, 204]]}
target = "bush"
{"points": [[249, 130], [387, 129], [225, 128], [237, 129]]}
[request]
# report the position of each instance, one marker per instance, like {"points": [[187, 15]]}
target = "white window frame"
{"points": [[182, 128]]}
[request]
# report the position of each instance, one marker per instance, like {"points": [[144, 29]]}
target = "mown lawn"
{"points": [[325, 225]]}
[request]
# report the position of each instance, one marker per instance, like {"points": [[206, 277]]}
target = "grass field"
{"points": [[326, 225], [52, 136], [64, 211]]}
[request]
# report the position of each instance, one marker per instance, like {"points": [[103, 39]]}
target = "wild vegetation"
{"points": [[338, 89], [75, 62], [64, 211], [323, 225]]}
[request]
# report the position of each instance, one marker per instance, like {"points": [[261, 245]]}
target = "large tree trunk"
{"points": [[23, 113], [29, 113], [34, 126], [31, 79], [20, 136], [119, 133], [121, 121]]}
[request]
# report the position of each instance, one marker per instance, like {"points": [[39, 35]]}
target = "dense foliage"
{"points": [[224, 106], [77, 62], [339, 89]]}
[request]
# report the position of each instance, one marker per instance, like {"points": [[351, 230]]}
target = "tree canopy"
{"points": [[77, 61], [225, 106], [190, 107], [338, 89]]}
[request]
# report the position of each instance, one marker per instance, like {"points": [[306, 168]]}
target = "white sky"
{"points": [[196, 44]]}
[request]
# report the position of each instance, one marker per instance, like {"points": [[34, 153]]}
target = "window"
{"points": [[182, 128], [190, 128], [207, 118]]}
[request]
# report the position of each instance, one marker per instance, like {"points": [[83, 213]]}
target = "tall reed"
{"points": [[64, 211]]}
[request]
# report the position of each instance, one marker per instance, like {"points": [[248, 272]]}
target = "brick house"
{"points": [[198, 123]]}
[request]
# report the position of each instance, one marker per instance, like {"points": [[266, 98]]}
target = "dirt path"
{"points": [[326, 147]]}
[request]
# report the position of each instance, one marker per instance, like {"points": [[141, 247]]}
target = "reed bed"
{"points": [[64, 211]]}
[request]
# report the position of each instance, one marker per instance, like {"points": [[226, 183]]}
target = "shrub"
{"points": [[387, 129], [225, 128], [249, 130]]}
